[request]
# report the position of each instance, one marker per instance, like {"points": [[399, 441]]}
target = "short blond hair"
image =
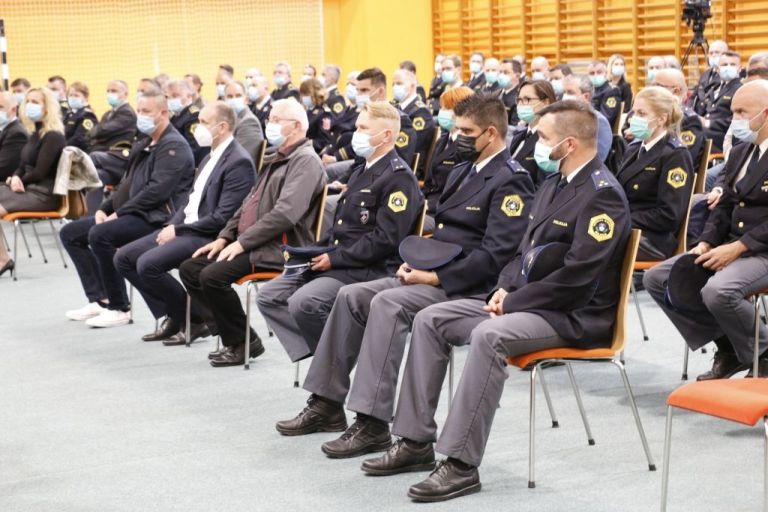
{"points": [[51, 120], [383, 110], [661, 102]]}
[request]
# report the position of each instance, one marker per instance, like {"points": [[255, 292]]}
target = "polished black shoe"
{"points": [[220, 351], [167, 329], [724, 366], [365, 435], [9, 265], [235, 356], [403, 456], [196, 331], [320, 415], [449, 480]]}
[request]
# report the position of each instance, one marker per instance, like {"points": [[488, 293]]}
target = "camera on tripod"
{"points": [[695, 15]]}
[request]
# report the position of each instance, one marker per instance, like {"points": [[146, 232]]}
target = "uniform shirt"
{"points": [[743, 171], [190, 211]]}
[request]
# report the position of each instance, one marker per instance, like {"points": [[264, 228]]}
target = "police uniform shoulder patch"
{"points": [[677, 177], [402, 139], [600, 179], [611, 102], [515, 166], [87, 124], [192, 128], [418, 123], [601, 227], [512, 205], [676, 143], [193, 109], [688, 138], [338, 107], [398, 165], [397, 201]]}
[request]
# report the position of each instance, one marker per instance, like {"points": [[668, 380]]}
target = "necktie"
{"points": [[471, 174], [560, 186]]}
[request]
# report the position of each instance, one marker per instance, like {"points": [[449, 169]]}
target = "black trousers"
{"points": [[209, 283]]}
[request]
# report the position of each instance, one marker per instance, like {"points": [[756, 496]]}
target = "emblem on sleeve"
{"points": [[402, 140], [611, 102], [338, 107], [601, 227], [688, 137], [418, 123], [87, 124], [193, 128], [677, 177], [397, 202], [512, 206]]}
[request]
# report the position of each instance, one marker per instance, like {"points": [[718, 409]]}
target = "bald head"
{"points": [[750, 103], [540, 68]]}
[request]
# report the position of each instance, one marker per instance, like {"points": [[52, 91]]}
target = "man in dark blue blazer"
{"points": [[226, 175]]}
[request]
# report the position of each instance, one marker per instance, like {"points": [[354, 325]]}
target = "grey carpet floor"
{"points": [[96, 420]]}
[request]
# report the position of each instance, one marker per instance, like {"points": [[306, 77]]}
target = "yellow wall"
{"points": [[366, 33]]}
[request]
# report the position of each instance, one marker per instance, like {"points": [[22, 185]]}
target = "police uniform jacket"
{"points": [[424, 127], [262, 113], [115, 129], [743, 209], [186, 122], [487, 216], [436, 89], [477, 82], [340, 134], [158, 180], [377, 211], [719, 112], [443, 162], [579, 299], [708, 81], [658, 186], [77, 124], [625, 92], [607, 101], [692, 135], [286, 91], [405, 142], [335, 103], [526, 139], [509, 98], [315, 132]]}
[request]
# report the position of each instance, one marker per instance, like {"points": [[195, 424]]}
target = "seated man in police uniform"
{"points": [[482, 216], [404, 91], [281, 77], [607, 97], [226, 175], [491, 70], [734, 245], [718, 115], [379, 208], [509, 87], [579, 87], [185, 115], [436, 86], [260, 99], [709, 79], [572, 303], [476, 77], [334, 102]]}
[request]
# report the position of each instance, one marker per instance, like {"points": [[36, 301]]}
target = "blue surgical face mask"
{"points": [[34, 111], [741, 130], [557, 85], [175, 106], [538, 75], [3, 119], [504, 81], [75, 103], [448, 76], [361, 145], [713, 61], [640, 128], [221, 90], [307, 102], [146, 125], [237, 104], [114, 100], [617, 70], [274, 134], [399, 92], [728, 73], [491, 77], [526, 113], [280, 80], [362, 100], [350, 92], [475, 67], [253, 93], [597, 80], [542, 154], [651, 75], [445, 119]]}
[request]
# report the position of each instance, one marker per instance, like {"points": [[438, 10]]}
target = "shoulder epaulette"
{"points": [[601, 179]]}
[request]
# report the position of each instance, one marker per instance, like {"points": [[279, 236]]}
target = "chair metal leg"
{"points": [[765, 465], [296, 376], [450, 378], [665, 464], [187, 327], [532, 428], [58, 243], [577, 393], [756, 354], [555, 423], [638, 423], [685, 362], [639, 312], [765, 309], [130, 303], [16, 254], [23, 237], [39, 243], [247, 361]]}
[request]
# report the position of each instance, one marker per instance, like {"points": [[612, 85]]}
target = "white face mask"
{"points": [[274, 134], [203, 136]]}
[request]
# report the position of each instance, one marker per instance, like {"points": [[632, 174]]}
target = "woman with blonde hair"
{"points": [[30, 188], [617, 70], [313, 98], [657, 172]]}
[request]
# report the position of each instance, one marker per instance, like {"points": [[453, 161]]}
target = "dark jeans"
{"points": [[209, 283], [147, 266], [92, 248]]}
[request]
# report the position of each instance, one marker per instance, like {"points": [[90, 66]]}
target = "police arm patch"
{"points": [[512, 205], [402, 140], [338, 107], [677, 177], [418, 123], [397, 201], [611, 102], [87, 124], [688, 137], [601, 227]]}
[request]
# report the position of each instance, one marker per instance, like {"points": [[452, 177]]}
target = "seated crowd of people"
{"points": [[497, 170]]}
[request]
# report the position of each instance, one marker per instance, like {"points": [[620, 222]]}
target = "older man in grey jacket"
{"points": [[280, 209]]}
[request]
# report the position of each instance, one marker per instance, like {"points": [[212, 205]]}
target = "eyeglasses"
{"points": [[279, 120], [521, 100], [758, 72]]}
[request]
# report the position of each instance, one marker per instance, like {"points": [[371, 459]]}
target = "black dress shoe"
{"points": [[235, 356], [365, 435], [725, 366], [402, 457], [167, 329], [220, 351], [449, 480], [320, 415], [9, 265], [196, 331]]}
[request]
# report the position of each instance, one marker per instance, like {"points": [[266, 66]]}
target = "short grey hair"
{"points": [[182, 85], [758, 58], [283, 63], [294, 109], [334, 70], [585, 84]]}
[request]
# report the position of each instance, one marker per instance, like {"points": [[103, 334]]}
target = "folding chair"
{"points": [[620, 120], [742, 401], [701, 173], [260, 156], [33, 218], [597, 355], [430, 154], [415, 162]]}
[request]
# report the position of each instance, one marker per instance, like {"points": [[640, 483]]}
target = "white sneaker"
{"points": [[88, 311], [109, 318]]}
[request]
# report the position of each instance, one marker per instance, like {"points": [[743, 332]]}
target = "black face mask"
{"points": [[466, 150]]}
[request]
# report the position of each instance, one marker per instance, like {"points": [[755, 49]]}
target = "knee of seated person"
{"points": [[303, 304], [384, 299], [146, 267], [122, 260], [207, 278], [715, 296], [485, 336], [652, 278], [98, 235]]}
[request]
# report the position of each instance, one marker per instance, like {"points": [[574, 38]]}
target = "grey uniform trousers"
{"points": [[724, 295], [296, 309], [368, 325], [436, 330]]}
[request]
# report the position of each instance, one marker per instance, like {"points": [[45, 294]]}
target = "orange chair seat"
{"points": [[258, 276], [740, 400], [645, 265], [10, 217], [560, 353]]}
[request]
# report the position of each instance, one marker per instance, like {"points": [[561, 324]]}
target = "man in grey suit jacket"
{"points": [[247, 127]]}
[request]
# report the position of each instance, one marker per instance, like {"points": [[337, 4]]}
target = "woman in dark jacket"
{"points": [[313, 98], [617, 70], [30, 188]]}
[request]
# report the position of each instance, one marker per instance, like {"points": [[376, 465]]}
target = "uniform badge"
{"points": [[601, 227], [126, 153], [87, 124], [611, 102], [338, 107], [286, 256], [677, 177], [418, 123], [193, 128], [397, 202], [402, 140], [688, 137], [365, 216], [512, 205], [193, 109]]}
